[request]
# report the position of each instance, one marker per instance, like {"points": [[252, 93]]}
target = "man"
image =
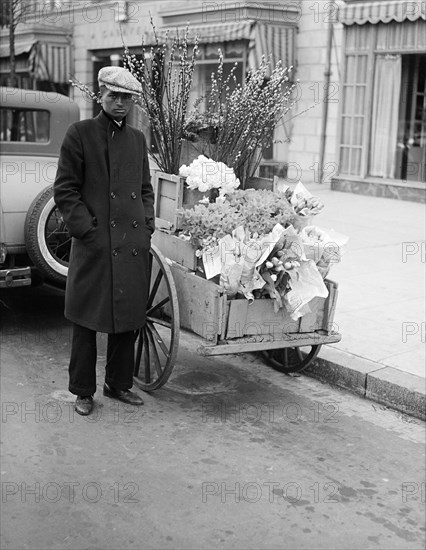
{"points": [[104, 193]]}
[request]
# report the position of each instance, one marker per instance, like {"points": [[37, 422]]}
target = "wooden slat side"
{"points": [[168, 189], [198, 304], [225, 316], [176, 249], [315, 318], [328, 324], [258, 317]]}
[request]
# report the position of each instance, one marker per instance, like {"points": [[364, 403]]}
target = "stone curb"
{"points": [[386, 385]]}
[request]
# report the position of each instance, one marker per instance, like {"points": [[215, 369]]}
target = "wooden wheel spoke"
{"points": [[159, 340], [157, 362], [146, 357], [158, 306], [289, 359], [138, 353], [139, 350], [285, 357], [150, 261], [154, 288], [161, 322]]}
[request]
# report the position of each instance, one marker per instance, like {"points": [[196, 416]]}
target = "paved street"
{"points": [[229, 454]]}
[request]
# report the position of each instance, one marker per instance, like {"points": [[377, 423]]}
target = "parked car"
{"points": [[34, 242]]}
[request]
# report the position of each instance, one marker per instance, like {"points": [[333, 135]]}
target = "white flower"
{"points": [[205, 174], [184, 171], [203, 187], [192, 182]]}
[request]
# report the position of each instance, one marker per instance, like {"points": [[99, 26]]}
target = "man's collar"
{"points": [[119, 125]]}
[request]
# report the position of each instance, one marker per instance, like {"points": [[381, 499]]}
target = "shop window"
{"points": [[384, 117], [353, 114], [207, 63], [202, 81], [24, 125], [411, 137], [397, 125]]}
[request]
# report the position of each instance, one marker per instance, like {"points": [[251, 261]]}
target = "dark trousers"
{"points": [[82, 367]]}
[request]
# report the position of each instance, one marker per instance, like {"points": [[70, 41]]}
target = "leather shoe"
{"points": [[84, 404], [126, 396]]}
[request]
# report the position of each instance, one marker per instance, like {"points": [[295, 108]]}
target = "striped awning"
{"points": [[206, 33], [20, 48], [274, 41], [382, 12], [263, 39], [50, 62]]}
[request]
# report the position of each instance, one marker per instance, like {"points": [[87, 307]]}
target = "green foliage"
{"points": [[257, 210]]}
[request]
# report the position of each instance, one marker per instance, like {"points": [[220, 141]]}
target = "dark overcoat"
{"points": [[104, 193]]}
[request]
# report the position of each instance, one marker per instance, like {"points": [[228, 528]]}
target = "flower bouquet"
{"points": [[252, 242], [206, 175], [324, 246], [305, 205]]}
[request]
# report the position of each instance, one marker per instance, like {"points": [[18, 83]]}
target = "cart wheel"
{"points": [[157, 342], [291, 359]]}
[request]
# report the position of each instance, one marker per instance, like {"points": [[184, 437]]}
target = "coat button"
{"points": [[115, 252], [134, 252], [133, 195], [113, 223], [135, 224], [112, 195]]}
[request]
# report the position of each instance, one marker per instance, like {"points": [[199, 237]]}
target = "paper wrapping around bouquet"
{"points": [[301, 221], [325, 247]]}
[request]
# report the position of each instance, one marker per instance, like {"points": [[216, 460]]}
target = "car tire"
{"points": [[47, 239]]}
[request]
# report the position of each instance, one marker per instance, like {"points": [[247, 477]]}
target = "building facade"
{"points": [[42, 45], [244, 31], [358, 69], [381, 145]]}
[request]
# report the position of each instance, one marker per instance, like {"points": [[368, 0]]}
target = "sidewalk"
{"points": [[381, 303]]}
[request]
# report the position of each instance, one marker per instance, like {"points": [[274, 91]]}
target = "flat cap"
{"points": [[118, 79]]}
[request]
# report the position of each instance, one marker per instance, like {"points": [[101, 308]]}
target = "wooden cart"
{"points": [[181, 298]]}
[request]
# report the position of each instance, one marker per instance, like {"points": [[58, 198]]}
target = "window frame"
{"points": [[374, 43], [24, 111]]}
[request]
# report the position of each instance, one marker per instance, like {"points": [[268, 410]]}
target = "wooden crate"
{"points": [[168, 192], [260, 318], [172, 194], [176, 249], [207, 311], [202, 304]]}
